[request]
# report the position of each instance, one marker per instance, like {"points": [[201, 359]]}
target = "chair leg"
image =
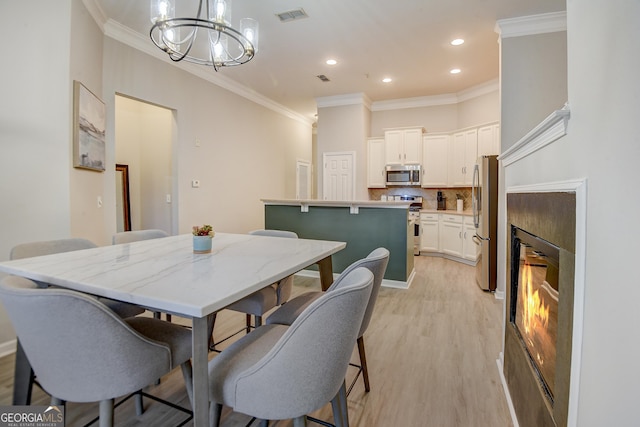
{"points": [[363, 363], [187, 374], [264, 423], [56, 402], [258, 321], [168, 317], [139, 404], [23, 378], [106, 413], [300, 421], [211, 322], [248, 317], [340, 408], [215, 410]]}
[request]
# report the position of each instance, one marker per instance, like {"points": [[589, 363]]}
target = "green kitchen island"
{"points": [[364, 225]]}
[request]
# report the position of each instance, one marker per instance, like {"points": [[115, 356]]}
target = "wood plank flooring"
{"points": [[431, 352]]}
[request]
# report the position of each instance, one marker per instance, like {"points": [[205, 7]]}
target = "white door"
{"points": [[303, 180], [338, 176]]}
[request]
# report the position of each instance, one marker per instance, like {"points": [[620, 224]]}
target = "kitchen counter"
{"points": [[352, 204], [448, 212], [363, 224]]}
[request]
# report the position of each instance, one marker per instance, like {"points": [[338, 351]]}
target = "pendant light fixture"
{"points": [[205, 39]]}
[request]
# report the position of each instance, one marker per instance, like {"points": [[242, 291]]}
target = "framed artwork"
{"points": [[88, 129]]}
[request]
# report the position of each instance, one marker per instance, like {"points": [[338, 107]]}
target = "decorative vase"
{"points": [[202, 244]]}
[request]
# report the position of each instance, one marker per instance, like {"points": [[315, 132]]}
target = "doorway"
{"points": [[144, 135], [338, 175]]}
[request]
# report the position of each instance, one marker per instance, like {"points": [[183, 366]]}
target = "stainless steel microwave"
{"points": [[399, 175]]}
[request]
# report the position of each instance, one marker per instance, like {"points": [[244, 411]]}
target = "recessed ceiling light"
{"points": [[331, 62], [455, 71], [457, 42], [387, 80]]}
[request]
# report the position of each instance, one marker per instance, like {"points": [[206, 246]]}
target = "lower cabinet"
{"points": [[429, 233], [450, 235]]}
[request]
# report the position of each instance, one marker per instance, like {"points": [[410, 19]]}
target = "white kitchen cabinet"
{"points": [[451, 235], [435, 153], [463, 154], [403, 146], [489, 140], [469, 248], [429, 232], [375, 163]]}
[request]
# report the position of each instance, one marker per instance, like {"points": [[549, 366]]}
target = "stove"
{"points": [[414, 219]]}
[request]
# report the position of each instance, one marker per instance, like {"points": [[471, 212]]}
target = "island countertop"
{"points": [[401, 204]]}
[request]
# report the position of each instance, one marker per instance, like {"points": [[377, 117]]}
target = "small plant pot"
{"points": [[202, 244]]}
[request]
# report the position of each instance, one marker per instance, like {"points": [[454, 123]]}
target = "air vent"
{"points": [[323, 78], [292, 15]]}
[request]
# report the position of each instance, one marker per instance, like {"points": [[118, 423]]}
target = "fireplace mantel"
{"points": [[549, 130]]}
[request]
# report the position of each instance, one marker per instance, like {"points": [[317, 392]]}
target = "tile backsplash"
{"points": [[429, 195]]}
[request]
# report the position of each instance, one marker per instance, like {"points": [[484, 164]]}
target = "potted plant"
{"points": [[202, 237]]}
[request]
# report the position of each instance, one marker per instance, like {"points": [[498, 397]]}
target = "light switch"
{"points": [[99, 201], [195, 183], [168, 198]]}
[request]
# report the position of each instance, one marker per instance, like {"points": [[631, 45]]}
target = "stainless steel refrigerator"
{"points": [[485, 219]]}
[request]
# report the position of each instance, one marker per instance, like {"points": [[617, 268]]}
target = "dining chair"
{"points": [[376, 262], [281, 372], [81, 351], [259, 302], [138, 235]]}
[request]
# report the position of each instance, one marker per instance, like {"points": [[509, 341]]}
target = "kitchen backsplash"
{"points": [[429, 195]]}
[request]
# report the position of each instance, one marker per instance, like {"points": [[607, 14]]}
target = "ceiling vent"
{"points": [[323, 78], [292, 15]]}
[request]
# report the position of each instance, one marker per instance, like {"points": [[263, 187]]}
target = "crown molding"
{"points": [[342, 100], [529, 25], [96, 12], [127, 36], [435, 100]]}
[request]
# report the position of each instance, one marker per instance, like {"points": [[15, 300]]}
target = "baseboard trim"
{"points": [[507, 395], [6, 348], [387, 283]]}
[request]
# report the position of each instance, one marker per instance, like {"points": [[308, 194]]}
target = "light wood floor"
{"points": [[431, 352]]}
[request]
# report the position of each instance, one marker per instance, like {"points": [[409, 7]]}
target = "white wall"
{"points": [[344, 128], [602, 145], [479, 110], [440, 118], [35, 128]]}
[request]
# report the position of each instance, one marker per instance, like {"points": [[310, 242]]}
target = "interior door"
{"points": [[303, 180], [338, 176]]}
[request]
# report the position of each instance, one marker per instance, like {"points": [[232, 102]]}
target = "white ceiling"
{"points": [[407, 40]]}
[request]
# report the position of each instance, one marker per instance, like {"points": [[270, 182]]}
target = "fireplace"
{"points": [[540, 296]]}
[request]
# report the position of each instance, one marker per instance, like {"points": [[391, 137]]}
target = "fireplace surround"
{"points": [[541, 399]]}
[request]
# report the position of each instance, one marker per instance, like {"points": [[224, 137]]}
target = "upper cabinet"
{"points": [[403, 146], [435, 152], [462, 156], [489, 140], [376, 163]]}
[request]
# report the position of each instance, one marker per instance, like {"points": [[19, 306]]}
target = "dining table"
{"points": [[166, 275]]}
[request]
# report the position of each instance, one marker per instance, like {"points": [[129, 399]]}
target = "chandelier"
{"points": [[207, 38]]}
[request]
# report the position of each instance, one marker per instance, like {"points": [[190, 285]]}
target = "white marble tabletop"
{"points": [[164, 274]]}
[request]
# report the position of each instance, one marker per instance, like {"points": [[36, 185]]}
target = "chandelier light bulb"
{"points": [[204, 38]]}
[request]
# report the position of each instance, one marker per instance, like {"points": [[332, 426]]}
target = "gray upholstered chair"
{"points": [[24, 378], [81, 351], [281, 372], [137, 235], [376, 262], [259, 302]]}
